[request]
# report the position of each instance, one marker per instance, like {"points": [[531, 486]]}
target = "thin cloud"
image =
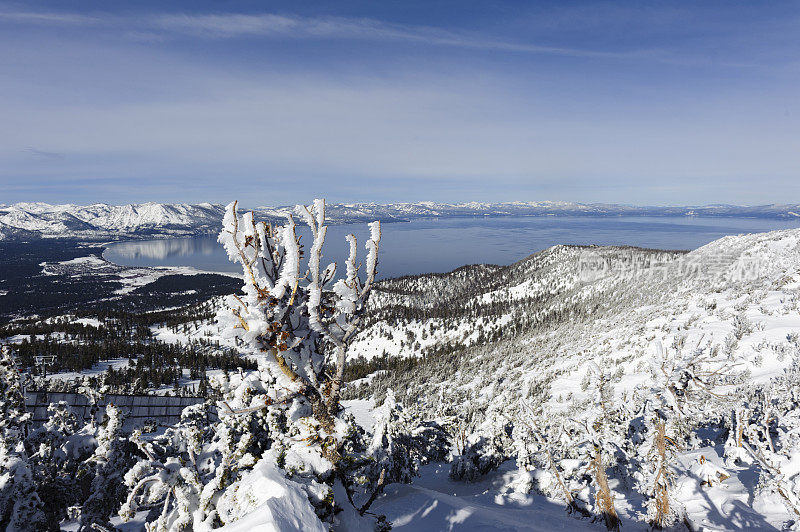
{"points": [[44, 155], [57, 18], [269, 25], [230, 26]]}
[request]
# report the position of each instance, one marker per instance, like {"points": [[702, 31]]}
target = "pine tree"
{"points": [[21, 508], [106, 467], [57, 449], [684, 384], [599, 443]]}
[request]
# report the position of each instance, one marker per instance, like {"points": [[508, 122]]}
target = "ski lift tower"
{"points": [[42, 361]]}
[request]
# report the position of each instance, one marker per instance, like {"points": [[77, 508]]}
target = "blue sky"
{"points": [[631, 102]]}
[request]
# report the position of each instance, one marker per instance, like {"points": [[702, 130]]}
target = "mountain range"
{"points": [[100, 221]]}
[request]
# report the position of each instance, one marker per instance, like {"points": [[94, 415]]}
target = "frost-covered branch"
{"points": [[289, 310]]}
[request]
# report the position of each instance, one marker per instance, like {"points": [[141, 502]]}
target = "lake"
{"points": [[443, 244]]}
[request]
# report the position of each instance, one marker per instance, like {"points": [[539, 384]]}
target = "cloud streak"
{"points": [[50, 18], [43, 154], [236, 26]]}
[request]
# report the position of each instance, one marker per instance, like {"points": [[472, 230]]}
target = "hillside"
{"points": [[541, 330], [542, 319]]}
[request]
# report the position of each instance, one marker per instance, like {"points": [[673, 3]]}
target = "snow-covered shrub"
{"points": [[709, 473], [741, 326], [485, 450], [793, 338]]}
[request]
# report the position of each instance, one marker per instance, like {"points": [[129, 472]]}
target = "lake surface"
{"points": [[440, 245]]}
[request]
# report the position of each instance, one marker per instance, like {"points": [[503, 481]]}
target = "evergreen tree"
{"points": [[106, 467], [21, 508], [57, 449]]}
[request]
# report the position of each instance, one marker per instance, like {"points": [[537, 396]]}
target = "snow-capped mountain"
{"points": [[357, 212], [102, 221]]}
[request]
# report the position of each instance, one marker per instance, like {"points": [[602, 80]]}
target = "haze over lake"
{"points": [[440, 245]]}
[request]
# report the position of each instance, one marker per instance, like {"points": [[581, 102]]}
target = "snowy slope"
{"points": [[549, 306], [738, 297]]}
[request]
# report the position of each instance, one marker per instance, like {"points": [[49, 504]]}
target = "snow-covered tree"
{"points": [[298, 320], [459, 413], [735, 453], [106, 467], [598, 442], [771, 435], [392, 447], [57, 449], [485, 449], [21, 508], [94, 392], [537, 446], [684, 383], [169, 480]]}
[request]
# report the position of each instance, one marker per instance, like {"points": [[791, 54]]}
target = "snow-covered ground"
{"points": [[131, 278], [97, 369], [433, 502], [362, 412]]}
